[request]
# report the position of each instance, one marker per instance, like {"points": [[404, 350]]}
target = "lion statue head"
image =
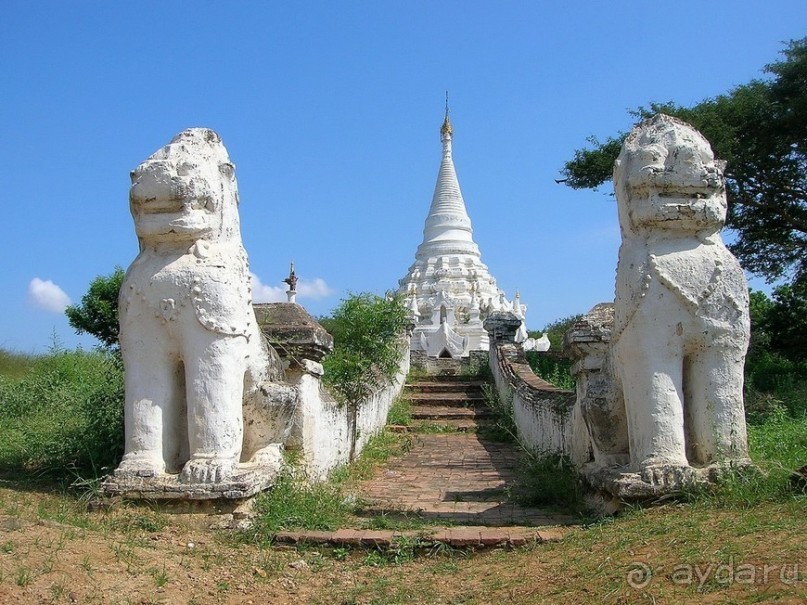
{"points": [[186, 192], [666, 178]]}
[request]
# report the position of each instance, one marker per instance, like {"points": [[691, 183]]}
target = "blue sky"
{"points": [[331, 113]]}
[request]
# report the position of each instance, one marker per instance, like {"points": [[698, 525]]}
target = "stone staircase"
{"points": [[453, 402]]}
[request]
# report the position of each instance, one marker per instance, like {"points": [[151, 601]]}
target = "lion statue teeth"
{"points": [[191, 346]]}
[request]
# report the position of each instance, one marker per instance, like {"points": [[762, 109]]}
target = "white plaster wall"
{"points": [[323, 427], [372, 416], [540, 429], [541, 426]]}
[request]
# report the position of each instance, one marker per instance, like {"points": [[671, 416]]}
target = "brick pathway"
{"points": [[460, 477]]}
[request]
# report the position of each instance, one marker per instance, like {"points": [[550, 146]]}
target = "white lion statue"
{"points": [[192, 350], [681, 318]]}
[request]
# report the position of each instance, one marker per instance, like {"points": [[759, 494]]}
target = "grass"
{"points": [[778, 447], [400, 412], [294, 504], [590, 565], [63, 414], [502, 426], [15, 365], [51, 542]]}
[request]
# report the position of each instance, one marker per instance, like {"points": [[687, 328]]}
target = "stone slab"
{"points": [[245, 482]]}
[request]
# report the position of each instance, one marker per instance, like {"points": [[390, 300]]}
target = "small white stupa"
{"points": [[449, 290]]}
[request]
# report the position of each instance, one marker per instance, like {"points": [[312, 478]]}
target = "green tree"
{"points": [[97, 313], [760, 129], [786, 322], [367, 331]]}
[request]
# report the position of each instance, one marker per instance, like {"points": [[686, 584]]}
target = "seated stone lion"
{"points": [[681, 316], [191, 347]]}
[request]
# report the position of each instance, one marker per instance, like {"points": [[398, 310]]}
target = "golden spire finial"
{"points": [[446, 128]]}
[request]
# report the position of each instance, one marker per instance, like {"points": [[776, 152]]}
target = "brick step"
{"points": [[450, 378], [457, 404], [458, 425], [461, 425], [442, 387], [456, 536], [447, 412], [449, 398]]}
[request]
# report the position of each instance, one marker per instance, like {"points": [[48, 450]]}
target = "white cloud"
{"points": [[261, 293], [314, 289], [47, 295]]}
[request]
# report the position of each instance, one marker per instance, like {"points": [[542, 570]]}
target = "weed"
{"points": [[401, 551], [47, 564], [340, 553], [502, 426], [292, 504], [549, 480], [552, 367], [149, 523], [23, 577], [160, 576], [57, 591], [400, 412], [7, 547], [378, 450]]}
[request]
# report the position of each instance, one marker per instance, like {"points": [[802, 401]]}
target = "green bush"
{"points": [[65, 412], [552, 367], [97, 313], [367, 331]]}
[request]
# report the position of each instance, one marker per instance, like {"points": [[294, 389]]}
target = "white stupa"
{"points": [[448, 289]]}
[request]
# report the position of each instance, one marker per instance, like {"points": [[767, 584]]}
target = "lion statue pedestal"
{"points": [[681, 321], [194, 357]]}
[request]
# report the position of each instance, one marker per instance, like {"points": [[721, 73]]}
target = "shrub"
{"points": [[97, 314], [367, 331], [65, 412], [552, 367]]}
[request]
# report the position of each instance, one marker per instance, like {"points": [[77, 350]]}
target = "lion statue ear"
{"points": [[227, 169]]}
